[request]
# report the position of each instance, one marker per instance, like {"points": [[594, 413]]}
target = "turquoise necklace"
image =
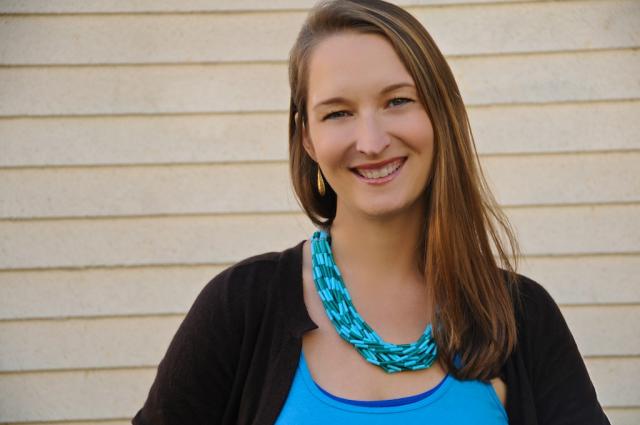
{"points": [[350, 325]]}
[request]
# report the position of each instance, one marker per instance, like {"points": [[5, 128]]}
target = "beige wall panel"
{"points": [[142, 341], [85, 343], [146, 139], [110, 394], [549, 77], [147, 190], [101, 292], [141, 6], [564, 179], [585, 76], [263, 137], [127, 39], [74, 395], [587, 279], [539, 26], [579, 127], [622, 416], [143, 89], [223, 239], [170, 290], [459, 30], [577, 230], [616, 380], [148, 241], [598, 331], [248, 188]]}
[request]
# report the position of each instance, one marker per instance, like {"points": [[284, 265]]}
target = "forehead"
{"points": [[351, 63]]}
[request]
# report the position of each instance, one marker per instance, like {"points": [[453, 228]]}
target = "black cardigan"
{"points": [[234, 356]]}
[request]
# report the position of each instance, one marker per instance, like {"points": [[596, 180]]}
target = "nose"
{"points": [[371, 138]]}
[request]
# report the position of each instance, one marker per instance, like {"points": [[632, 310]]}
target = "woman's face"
{"points": [[366, 127]]}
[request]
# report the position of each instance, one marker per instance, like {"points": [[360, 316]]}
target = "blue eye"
{"points": [[397, 101], [332, 115]]}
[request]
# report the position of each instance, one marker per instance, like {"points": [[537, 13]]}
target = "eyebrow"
{"points": [[339, 99]]}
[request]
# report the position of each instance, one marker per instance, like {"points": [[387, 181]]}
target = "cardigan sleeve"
{"points": [[194, 379], [562, 389]]}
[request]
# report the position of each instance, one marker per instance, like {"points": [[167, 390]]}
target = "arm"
{"points": [[194, 379], [562, 390]]}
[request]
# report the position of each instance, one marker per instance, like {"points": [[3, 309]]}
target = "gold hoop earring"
{"points": [[321, 188]]}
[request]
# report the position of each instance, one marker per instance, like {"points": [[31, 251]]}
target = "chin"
{"points": [[387, 210], [381, 207]]}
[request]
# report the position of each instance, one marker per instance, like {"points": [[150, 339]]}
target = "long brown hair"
{"points": [[474, 313]]}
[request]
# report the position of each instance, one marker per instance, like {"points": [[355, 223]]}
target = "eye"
{"points": [[336, 114], [398, 101]]}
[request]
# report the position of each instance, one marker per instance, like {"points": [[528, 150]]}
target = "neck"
{"points": [[380, 251]]}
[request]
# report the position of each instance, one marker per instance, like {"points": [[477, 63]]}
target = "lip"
{"points": [[378, 164], [382, 180]]}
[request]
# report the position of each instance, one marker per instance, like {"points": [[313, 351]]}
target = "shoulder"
{"points": [[531, 300], [252, 281], [542, 328], [546, 375]]}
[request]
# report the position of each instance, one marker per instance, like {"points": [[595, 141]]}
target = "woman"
{"points": [[396, 310]]}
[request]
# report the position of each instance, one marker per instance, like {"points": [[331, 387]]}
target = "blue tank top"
{"points": [[451, 402]]}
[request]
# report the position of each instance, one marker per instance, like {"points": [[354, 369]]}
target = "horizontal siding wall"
{"points": [[267, 36], [233, 87], [143, 149]]}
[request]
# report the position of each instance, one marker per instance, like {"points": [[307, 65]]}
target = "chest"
{"points": [[342, 371], [338, 368]]}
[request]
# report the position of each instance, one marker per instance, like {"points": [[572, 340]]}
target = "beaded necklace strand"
{"points": [[352, 328]]}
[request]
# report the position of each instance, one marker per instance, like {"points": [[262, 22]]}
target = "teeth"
{"points": [[378, 173]]}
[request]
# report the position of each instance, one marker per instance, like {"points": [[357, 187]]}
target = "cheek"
{"points": [[419, 132], [330, 144]]}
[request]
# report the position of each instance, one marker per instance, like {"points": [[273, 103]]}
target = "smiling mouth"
{"points": [[382, 172]]}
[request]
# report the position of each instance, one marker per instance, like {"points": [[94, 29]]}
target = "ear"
{"points": [[306, 141]]}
